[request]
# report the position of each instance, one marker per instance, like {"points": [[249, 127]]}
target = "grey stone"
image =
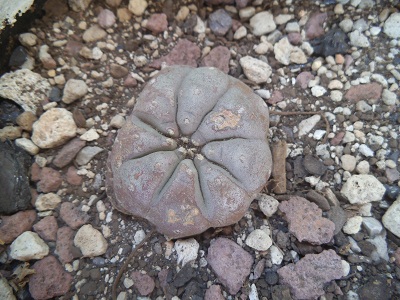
{"points": [[372, 226], [391, 219], [220, 22], [86, 154], [262, 23], [391, 26]]}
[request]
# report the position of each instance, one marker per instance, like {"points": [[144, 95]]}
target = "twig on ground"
{"points": [[294, 113], [126, 263]]}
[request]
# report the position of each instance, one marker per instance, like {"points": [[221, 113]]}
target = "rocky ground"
{"points": [[326, 226]]}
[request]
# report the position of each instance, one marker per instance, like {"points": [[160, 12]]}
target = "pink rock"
{"points": [[157, 23], [370, 91], [73, 177], [50, 180], [276, 97], [307, 277], [68, 152], [242, 3], [306, 221], [50, 279], [392, 175], [214, 293], [130, 81], [314, 26], [303, 79], [106, 18], [72, 48], [295, 38], [35, 172], [72, 215], [230, 262], [143, 283], [12, 226], [348, 60], [65, 248], [219, 58], [397, 257], [184, 53], [338, 138], [47, 228]]}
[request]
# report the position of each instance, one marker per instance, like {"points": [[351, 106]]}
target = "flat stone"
{"points": [[184, 53], [118, 71], [49, 280], [187, 250], [363, 188], [137, 7], [220, 22], [106, 18], [308, 124], [143, 283], [24, 87], [15, 191], [47, 201], [12, 226], [268, 204], [86, 154], [65, 248], [306, 221], [314, 26], [262, 23], [314, 165], [94, 33], [74, 89], [308, 276], [230, 262], [256, 70], [26, 120], [214, 292], [47, 228], [218, 58], [6, 291], [72, 215], [372, 226], [90, 135], [50, 180], [68, 152], [259, 240], [370, 91], [338, 216], [318, 199], [391, 219], [27, 145], [157, 23], [28, 246], [391, 26], [90, 241], [55, 127]]}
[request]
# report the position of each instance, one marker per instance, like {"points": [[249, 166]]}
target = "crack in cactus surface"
{"points": [[193, 153]]}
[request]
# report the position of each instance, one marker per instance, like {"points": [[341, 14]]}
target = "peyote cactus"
{"points": [[193, 153]]}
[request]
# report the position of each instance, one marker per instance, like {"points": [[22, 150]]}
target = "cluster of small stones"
{"points": [[89, 71]]}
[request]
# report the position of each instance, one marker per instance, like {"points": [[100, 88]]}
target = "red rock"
{"points": [[35, 172], [68, 152], [184, 53], [12, 226], [50, 180], [369, 92], [130, 81], [230, 262], [214, 293], [397, 257], [157, 23], [73, 177], [47, 228], [295, 38], [143, 283], [303, 79], [219, 58], [72, 215], [306, 221], [338, 138], [50, 279], [276, 97], [314, 27], [307, 277], [65, 248]]}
